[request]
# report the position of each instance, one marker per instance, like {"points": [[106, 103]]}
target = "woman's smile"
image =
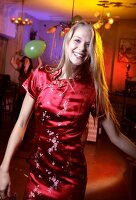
{"points": [[79, 55]]}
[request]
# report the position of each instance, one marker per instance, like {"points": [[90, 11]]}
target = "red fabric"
{"points": [[57, 163]]}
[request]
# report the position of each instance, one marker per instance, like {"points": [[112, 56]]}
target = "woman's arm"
{"points": [[39, 62], [119, 139], [15, 62], [15, 140]]}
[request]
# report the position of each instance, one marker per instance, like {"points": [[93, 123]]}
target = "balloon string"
{"points": [[53, 44]]}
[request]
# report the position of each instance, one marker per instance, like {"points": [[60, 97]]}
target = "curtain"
{"points": [[3, 49]]}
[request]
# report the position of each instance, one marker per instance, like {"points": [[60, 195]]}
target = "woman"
{"points": [[24, 66], [63, 98]]}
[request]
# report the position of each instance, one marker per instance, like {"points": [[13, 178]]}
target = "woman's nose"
{"points": [[82, 47]]}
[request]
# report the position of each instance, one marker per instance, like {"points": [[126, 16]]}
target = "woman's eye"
{"points": [[87, 45], [77, 41]]}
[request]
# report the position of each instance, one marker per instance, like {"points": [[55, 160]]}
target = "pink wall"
{"points": [[6, 27]]}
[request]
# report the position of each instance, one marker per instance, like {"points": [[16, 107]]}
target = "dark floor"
{"points": [[110, 175]]}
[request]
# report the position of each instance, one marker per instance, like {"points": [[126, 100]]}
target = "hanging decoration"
{"points": [[65, 26], [102, 19], [21, 20]]}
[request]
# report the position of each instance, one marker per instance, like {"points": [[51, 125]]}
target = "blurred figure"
{"points": [[24, 66]]}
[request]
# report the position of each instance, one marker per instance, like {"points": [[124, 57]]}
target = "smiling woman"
{"points": [[62, 98]]}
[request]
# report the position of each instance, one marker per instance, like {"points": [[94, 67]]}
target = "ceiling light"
{"points": [[20, 20], [102, 19]]}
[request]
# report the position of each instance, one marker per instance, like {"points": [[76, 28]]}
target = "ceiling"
{"points": [[62, 9]]}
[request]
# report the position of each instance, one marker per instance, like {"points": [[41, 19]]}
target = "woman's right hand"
{"points": [[15, 62], [5, 184]]}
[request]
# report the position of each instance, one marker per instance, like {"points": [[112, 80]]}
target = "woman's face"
{"points": [[78, 45]]}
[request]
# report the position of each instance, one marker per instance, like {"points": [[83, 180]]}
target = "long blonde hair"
{"points": [[96, 68], [98, 73]]}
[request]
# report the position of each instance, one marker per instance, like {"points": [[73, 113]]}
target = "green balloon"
{"points": [[34, 48]]}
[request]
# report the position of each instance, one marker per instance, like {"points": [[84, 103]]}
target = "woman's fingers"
{"points": [[9, 191]]}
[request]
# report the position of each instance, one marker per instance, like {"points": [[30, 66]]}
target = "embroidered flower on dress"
{"points": [[35, 192], [45, 116], [55, 143]]}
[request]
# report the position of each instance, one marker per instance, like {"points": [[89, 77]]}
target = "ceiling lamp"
{"points": [[103, 19], [65, 26], [20, 20]]}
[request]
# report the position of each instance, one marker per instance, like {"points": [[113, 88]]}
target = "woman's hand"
{"points": [[40, 64], [5, 183], [15, 62]]}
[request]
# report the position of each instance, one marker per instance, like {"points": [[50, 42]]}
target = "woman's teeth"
{"points": [[78, 55]]}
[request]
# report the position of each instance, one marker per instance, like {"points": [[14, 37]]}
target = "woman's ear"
{"points": [[27, 61]]}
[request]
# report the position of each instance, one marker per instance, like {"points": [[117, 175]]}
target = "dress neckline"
{"points": [[55, 76]]}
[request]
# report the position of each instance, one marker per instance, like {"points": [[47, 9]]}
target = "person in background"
{"points": [[63, 98], [24, 66]]}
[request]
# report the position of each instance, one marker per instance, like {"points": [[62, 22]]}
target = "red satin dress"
{"points": [[57, 163]]}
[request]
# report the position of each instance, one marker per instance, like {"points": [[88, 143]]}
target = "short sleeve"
{"points": [[32, 83]]}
